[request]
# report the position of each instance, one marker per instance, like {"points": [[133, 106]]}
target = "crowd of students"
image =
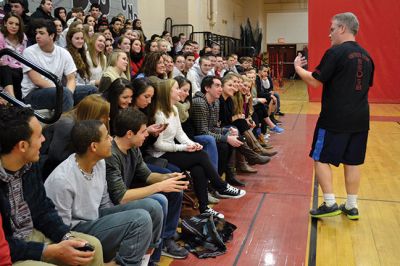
{"points": [[143, 121]]}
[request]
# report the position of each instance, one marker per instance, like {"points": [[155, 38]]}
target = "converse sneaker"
{"points": [[352, 214], [214, 213], [231, 192], [173, 250], [324, 211]]}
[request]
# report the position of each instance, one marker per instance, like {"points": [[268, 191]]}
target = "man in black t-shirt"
{"points": [[346, 73]]}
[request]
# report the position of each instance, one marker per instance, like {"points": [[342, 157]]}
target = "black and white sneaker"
{"points": [[231, 192], [214, 213]]}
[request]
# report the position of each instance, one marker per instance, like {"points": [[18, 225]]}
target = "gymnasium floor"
{"points": [[273, 223]]}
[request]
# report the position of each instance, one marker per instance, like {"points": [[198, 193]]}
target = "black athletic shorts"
{"points": [[336, 148]]}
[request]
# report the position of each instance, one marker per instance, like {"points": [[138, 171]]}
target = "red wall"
{"points": [[379, 34]]}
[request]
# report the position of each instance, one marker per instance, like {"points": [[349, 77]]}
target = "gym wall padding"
{"points": [[379, 34]]}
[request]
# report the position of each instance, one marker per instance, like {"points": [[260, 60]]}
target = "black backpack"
{"points": [[206, 235]]}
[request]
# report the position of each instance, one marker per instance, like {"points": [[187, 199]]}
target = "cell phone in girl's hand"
{"points": [[187, 176]]}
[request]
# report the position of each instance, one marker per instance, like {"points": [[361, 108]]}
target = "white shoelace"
{"points": [[233, 190], [212, 211]]}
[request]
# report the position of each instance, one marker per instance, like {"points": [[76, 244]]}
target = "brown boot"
{"points": [[255, 145], [251, 156], [242, 165]]}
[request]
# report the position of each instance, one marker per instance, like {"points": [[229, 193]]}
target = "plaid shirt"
{"points": [[205, 118]]}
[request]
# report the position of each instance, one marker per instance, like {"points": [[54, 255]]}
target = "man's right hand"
{"points": [[66, 252], [174, 183], [300, 61], [234, 142]]}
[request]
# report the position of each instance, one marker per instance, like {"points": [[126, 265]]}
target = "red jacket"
{"points": [[5, 259]]}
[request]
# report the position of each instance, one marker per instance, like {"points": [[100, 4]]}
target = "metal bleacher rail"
{"points": [[59, 89], [228, 44]]}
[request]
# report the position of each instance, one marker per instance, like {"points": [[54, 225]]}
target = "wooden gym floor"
{"points": [[273, 223]]}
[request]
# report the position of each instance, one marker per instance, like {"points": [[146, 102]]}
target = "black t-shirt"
{"points": [[346, 71]]}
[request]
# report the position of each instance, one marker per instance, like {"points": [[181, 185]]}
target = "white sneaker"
{"points": [[214, 213]]}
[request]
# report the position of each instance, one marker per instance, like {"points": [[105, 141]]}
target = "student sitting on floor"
{"points": [[35, 232], [78, 188], [126, 169]]}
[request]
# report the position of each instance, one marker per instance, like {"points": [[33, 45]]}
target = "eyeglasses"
{"points": [[332, 29]]}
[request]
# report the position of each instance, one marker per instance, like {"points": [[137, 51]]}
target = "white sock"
{"points": [[145, 260], [351, 201], [329, 199]]}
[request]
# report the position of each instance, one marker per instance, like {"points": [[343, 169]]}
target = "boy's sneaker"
{"points": [[231, 192], [214, 213], [325, 211], [352, 214], [277, 129], [173, 250]]}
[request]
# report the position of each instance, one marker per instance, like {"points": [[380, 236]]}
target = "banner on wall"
{"points": [[108, 7], [379, 34]]}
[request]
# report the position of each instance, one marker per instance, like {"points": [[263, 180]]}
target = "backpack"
{"points": [[206, 235]]}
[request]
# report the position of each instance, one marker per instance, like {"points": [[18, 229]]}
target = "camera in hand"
{"points": [[241, 138], [86, 247]]}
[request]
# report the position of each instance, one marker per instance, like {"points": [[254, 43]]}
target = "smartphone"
{"points": [[86, 247], [187, 176], [241, 138]]}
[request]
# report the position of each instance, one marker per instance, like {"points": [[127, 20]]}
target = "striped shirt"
{"points": [[21, 219], [205, 118]]}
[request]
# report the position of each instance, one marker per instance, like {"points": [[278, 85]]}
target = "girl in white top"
{"points": [[186, 154], [96, 58]]}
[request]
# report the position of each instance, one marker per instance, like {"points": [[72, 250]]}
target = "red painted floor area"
{"points": [[272, 218]]}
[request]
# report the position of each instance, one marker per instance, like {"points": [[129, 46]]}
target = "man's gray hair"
{"points": [[349, 20]]}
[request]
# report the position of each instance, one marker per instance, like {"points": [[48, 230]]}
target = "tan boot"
{"points": [[251, 156], [263, 142], [255, 145], [242, 165]]}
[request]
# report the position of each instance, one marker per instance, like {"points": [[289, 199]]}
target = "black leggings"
{"points": [[260, 112], [12, 76], [201, 170]]}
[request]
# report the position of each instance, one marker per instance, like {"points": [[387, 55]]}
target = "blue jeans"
{"points": [[126, 231], [209, 146], [171, 204], [169, 169], [46, 98]]}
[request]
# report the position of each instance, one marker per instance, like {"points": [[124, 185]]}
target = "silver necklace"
{"points": [[87, 176]]}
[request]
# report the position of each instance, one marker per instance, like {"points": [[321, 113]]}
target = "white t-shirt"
{"points": [[76, 198], [59, 62]]}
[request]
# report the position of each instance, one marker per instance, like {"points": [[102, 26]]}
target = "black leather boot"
{"points": [[230, 177]]}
